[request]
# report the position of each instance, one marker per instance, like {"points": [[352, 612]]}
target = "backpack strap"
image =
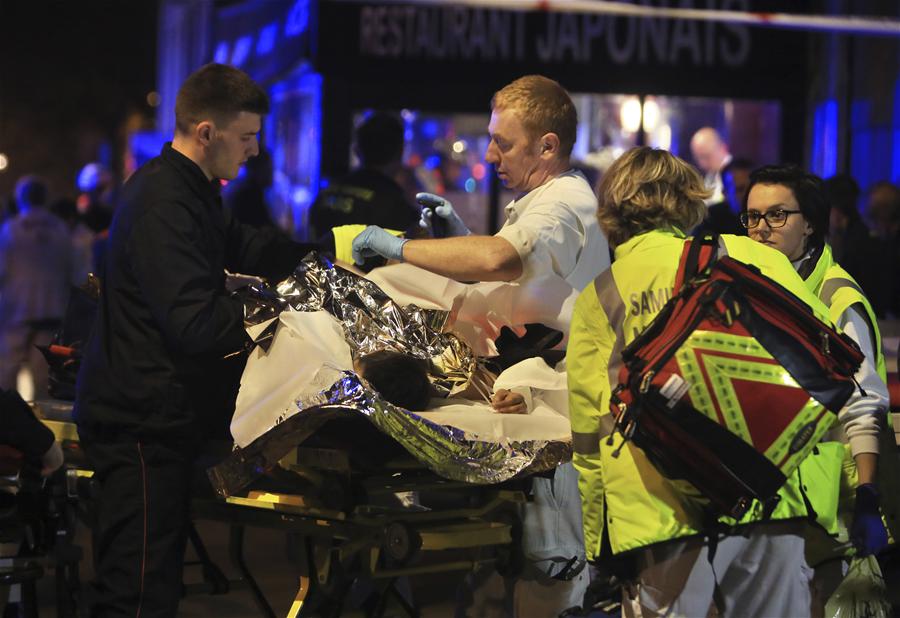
{"points": [[698, 250]]}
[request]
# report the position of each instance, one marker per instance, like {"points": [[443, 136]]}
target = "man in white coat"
{"points": [[550, 236]]}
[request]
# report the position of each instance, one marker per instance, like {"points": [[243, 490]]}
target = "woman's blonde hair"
{"points": [[649, 189]]}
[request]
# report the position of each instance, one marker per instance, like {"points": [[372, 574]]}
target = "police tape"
{"points": [[843, 24]]}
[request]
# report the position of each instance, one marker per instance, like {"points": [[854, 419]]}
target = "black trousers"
{"points": [[141, 526]]}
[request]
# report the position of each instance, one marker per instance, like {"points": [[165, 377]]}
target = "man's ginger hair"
{"points": [[648, 189], [543, 106]]}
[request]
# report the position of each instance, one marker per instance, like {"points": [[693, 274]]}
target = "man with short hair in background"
{"points": [[712, 156], [95, 182], [155, 382], [369, 194]]}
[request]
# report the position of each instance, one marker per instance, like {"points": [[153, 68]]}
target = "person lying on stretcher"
{"points": [[402, 379], [338, 317]]}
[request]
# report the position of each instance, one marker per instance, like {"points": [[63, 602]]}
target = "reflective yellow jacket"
{"points": [[626, 494], [839, 291]]}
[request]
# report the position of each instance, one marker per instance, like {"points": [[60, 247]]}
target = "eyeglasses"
{"points": [[774, 218]]}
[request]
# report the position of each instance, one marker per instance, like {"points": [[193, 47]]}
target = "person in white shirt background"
{"points": [[712, 156]]}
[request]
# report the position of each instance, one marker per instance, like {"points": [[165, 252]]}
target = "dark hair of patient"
{"points": [[400, 378]]}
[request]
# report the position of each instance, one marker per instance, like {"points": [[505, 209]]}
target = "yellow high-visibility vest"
{"points": [[624, 493], [839, 291]]}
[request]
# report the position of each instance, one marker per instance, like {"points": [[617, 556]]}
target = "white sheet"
{"points": [[480, 310], [308, 354]]}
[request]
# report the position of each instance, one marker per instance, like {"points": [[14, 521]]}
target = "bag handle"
{"points": [[698, 250]]}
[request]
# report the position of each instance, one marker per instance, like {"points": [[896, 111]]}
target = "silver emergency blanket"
{"points": [[371, 321]]}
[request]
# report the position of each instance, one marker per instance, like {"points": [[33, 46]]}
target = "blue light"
{"points": [[865, 157], [104, 154], [432, 162], [895, 143], [266, 42], [298, 19], [242, 50], [298, 160], [825, 139], [430, 129], [145, 145], [301, 196], [221, 55], [874, 145], [471, 185]]}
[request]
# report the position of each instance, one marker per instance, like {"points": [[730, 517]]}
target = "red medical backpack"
{"points": [[733, 383]]}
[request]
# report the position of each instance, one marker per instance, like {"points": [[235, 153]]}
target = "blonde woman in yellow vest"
{"points": [[758, 568], [786, 209]]}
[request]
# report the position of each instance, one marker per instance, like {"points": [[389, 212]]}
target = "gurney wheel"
{"points": [[328, 583], [401, 542]]}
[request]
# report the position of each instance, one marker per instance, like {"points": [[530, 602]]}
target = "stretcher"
{"points": [[349, 455], [348, 525], [343, 519]]}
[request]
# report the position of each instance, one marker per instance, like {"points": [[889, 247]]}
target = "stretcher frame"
{"points": [[336, 545], [380, 544]]}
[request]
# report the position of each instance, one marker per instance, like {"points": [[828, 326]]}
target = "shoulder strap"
{"points": [[698, 250]]}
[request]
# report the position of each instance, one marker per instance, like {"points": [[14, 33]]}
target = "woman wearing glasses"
{"points": [[786, 209]]}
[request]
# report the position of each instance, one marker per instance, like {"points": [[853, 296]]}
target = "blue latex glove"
{"points": [[375, 241], [432, 204], [867, 530]]}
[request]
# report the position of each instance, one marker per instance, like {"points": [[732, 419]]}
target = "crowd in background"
{"points": [[47, 245]]}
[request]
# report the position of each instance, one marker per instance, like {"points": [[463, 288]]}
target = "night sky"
{"points": [[71, 73]]}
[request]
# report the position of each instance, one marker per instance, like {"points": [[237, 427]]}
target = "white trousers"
{"points": [[759, 572], [551, 536]]}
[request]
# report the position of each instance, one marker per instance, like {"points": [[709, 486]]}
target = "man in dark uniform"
{"points": [[151, 385], [369, 195]]}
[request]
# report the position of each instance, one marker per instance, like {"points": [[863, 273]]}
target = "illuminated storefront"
{"points": [[634, 80]]}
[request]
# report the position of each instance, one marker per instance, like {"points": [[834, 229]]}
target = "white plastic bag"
{"points": [[861, 594]]}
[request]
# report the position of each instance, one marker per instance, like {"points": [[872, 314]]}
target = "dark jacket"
{"points": [[364, 196], [154, 367], [719, 220]]}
